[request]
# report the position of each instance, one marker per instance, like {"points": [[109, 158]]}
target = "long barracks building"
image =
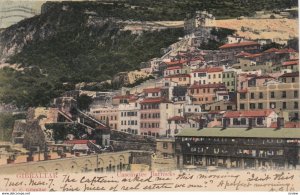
{"points": [[238, 148]]}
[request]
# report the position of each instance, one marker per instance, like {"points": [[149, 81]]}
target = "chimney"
{"points": [[280, 122], [250, 125], [224, 122]]}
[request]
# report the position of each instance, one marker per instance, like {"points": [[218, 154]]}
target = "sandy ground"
{"points": [[263, 28]]}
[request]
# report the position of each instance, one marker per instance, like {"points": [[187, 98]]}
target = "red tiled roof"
{"points": [[291, 74], [293, 62], [151, 90], [271, 50], [287, 125], [241, 44], [286, 50], [176, 118], [174, 67], [209, 70], [78, 141], [248, 113], [151, 100], [244, 54], [254, 55], [197, 86], [197, 58], [176, 62], [178, 75]]}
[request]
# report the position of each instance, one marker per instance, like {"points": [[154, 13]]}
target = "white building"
{"points": [[129, 117], [192, 109]]}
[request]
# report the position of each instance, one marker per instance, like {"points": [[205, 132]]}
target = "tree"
{"points": [[272, 45], [84, 101]]}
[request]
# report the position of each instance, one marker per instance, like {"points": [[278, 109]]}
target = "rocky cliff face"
{"points": [[55, 18]]}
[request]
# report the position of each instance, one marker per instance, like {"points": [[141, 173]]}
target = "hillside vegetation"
{"points": [[64, 45]]}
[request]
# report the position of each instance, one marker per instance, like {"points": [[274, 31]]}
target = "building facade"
{"points": [[241, 148], [281, 96]]}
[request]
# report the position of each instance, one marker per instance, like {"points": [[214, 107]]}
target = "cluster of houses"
{"points": [[190, 90], [235, 107]]}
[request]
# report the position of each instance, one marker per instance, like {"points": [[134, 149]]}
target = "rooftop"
{"points": [[209, 70], [151, 100], [152, 90], [241, 44], [292, 62], [271, 50], [176, 118], [178, 75], [197, 86], [241, 132], [174, 67], [248, 113], [291, 74]]}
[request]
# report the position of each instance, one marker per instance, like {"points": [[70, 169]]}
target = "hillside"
{"points": [[73, 42]]}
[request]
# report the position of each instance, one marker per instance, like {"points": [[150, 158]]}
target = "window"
{"points": [[295, 94], [296, 105], [260, 106], [283, 94], [236, 121], [260, 121], [252, 95], [261, 95], [272, 94], [208, 76], [121, 113], [242, 96], [242, 106], [283, 105], [272, 105], [165, 145], [293, 80], [243, 121], [167, 106], [252, 105], [219, 75], [214, 76]]}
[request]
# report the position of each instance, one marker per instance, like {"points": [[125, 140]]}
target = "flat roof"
{"points": [[241, 132]]}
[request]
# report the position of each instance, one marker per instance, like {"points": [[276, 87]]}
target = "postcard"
{"points": [[128, 95]]}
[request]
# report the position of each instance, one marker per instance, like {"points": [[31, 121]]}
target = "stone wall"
{"points": [[163, 164], [100, 162], [33, 135]]}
